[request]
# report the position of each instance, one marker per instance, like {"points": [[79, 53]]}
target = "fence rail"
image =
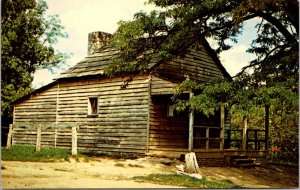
{"points": [[208, 137], [254, 139], [83, 136], [44, 135]]}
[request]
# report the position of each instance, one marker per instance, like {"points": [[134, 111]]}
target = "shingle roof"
{"points": [[92, 65]]}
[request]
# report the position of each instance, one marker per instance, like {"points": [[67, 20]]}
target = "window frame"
{"points": [[170, 110], [90, 109]]}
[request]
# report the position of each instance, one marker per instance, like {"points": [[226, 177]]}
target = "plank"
{"points": [[101, 130], [101, 138]]}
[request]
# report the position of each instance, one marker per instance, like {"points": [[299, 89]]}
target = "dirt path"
{"points": [[269, 176], [101, 173], [116, 173]]}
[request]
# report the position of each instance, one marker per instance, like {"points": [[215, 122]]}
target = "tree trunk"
{"points": [[191, 164]]}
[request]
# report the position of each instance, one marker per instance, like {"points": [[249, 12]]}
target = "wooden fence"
{"points": [[81, 136], [50, 135], [255, 139]]}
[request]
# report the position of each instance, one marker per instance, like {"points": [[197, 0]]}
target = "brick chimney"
{"points": [[97, 41]]}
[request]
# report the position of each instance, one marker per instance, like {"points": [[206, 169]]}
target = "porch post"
{"points": [[191, 126], [222, 125], [267, 109], [244, 142]]}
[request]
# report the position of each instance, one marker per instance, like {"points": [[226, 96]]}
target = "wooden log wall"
{"points": [[119, 126], [167, 133], [160, 86], [40, 107], [197, 64]]}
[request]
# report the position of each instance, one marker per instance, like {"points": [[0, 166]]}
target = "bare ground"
{"points": [[116, 173]]}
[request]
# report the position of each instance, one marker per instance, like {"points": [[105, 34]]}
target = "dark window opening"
{"points": [[170, 111], [93, 106]]}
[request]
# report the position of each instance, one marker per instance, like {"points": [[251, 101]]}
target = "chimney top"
{"points": [[97, 41]]}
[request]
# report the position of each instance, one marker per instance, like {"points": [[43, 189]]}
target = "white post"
{"points": [[191, 126], [55, 138], [74, 140], [38, 138], [9, 136]]}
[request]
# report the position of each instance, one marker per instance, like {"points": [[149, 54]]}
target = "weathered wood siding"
{"points": [[39, 107], [121, 124], [26, 134], [160, 86], [197, 64], [166, 133]]}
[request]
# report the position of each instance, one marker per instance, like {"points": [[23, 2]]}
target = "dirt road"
{"points": [[116, 173]]}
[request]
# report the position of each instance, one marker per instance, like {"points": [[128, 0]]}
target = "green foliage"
{"points": [[28, 153], [166, 34], [180, 23], [28, 37], [208, 96], [282, 97], [184, 181]]}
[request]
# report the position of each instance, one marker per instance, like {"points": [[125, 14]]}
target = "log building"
{"points": [[135, 119]]}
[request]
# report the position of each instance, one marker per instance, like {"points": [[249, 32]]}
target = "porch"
{"points": [[211, 138]]}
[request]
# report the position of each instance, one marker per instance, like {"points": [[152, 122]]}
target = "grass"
{"points": [[28, 153], [115, 155], [185, 181]]}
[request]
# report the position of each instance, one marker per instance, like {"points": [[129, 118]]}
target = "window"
{"points": [[93, 106], [170, 111]]}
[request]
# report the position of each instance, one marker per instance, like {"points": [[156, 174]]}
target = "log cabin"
{"points": [[138, 119]]}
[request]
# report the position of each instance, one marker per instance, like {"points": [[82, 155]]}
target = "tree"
{"points": [[269, 79], [181, 23], [163, 34], [28, 37]]}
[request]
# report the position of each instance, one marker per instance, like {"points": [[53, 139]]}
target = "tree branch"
{"points": [[288, 36]]}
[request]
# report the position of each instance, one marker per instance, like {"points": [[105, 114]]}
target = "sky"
{"points": [[80, 17]]}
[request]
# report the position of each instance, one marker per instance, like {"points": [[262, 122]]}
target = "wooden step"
{"points": [[254, 164], [243, 160], [238, 157]]}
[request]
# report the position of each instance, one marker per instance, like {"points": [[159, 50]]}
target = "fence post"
{"points": [[207, 138], [222, 126], [55, 138], [229, 139], [38, 138], [267, 111], [245, 133], [74, 140], [9, 136], [255, 140]]}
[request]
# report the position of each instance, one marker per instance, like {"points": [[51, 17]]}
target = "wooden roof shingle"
{"points": [[92, 65]]}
